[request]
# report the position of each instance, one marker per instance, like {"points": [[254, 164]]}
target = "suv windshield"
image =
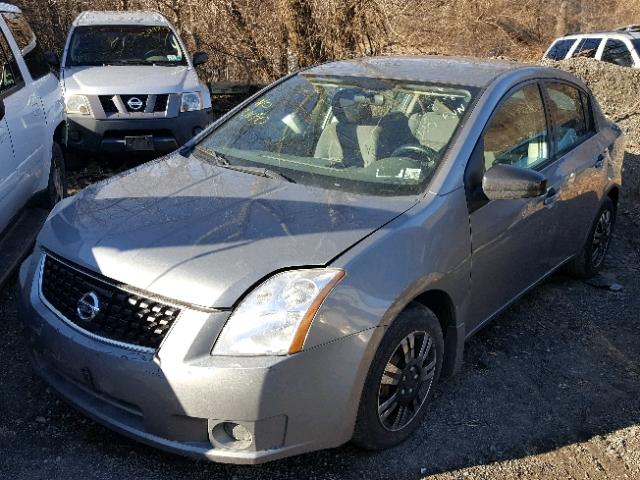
{"points": [[124, 45], [363, 135]]}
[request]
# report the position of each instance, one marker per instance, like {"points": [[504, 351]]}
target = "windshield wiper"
{"points": [[220, 160]]}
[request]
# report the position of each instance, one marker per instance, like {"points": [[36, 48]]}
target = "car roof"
{"points": [[8, 8], [602, 34], [140, 17], [461, 71]]}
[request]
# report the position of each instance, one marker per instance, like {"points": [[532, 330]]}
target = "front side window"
{"points": [[559, 49], [364, 135], [616, 52], [28, 45], [10, 74], [571, 114], [517, 134], [124, 45], [587, 47]]}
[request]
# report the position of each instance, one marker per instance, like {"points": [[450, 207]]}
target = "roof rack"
{"points": [[628, 28]]}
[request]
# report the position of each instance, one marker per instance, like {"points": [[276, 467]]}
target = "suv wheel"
{"points": [[57, 188], [400, 381], [591, 259]]}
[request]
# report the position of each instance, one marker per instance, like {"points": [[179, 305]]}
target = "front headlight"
{"points": [[77, 104], [275, 317], [191, 101]]}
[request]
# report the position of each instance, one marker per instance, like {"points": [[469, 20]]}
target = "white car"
{"points": [[32, 128], [129, 85], [620, 47]]}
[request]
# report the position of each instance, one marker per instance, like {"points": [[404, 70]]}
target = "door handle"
{"points": [[600, 160], [551, 197]]}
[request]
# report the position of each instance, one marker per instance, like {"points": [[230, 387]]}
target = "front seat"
{"points": [[353, 139]]}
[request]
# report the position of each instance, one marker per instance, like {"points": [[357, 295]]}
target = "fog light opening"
{"points": [[231, 435], [197, 130]]}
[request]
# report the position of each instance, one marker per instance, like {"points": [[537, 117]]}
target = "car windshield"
{"points": [[372, 136], [124, 45]]}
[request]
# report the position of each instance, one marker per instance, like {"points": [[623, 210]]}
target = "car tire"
{"points": [[394, 380], [72, 159], [57, 186], [591, 258]]}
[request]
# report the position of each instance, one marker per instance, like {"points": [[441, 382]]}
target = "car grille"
{"points": [[110, 106], [123, 316], [141, 98], [161, 103]]}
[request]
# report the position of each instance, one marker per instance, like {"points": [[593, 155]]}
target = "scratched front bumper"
{"points": [[174, 398]]}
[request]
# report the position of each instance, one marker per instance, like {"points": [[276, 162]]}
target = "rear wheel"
{"points": [[400, 381], [591, 259], [57, 186]]}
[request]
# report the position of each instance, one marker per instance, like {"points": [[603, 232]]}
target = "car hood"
{"points": [[188, 230], [123, 80]]}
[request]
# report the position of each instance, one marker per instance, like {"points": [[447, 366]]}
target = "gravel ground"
{"points": [[551, 389]]}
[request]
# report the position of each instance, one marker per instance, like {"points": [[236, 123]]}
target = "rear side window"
{"points": [[10, 74], [587, 47], [517, 134], [615, 51], [28, 45], [572, 117], [560, 49]]}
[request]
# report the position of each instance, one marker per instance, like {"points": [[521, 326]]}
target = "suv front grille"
{"points": [[155, 103], [122, 317], [161, 103], [140, 103], [108, 105]]}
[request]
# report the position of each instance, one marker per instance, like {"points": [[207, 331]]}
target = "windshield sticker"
{"points": [[257, 115], [173, 58]]}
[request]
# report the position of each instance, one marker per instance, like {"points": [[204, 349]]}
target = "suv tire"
{"points": [[57, 187]]}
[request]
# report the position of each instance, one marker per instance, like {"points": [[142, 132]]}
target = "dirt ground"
{"points": [[549, 390]]}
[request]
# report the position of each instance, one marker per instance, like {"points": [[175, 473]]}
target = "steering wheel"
{"points": [[421, 153]]}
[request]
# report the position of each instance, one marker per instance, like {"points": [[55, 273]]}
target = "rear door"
{"points": [[11, 86], [577, 174], [511, 245]]}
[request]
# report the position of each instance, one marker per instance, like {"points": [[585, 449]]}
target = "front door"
{"points": [[511, 248]]}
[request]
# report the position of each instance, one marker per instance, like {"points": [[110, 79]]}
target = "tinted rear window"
{"points": [[587, 47], [560, 49]]}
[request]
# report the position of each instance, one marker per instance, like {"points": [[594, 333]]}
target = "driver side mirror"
{"points": [[506, 182], [52, 59], [200, 58], [2, 109]]}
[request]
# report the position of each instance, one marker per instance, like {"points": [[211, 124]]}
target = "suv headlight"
{"points": [[275, 317], [191, 101], [77, 104]]}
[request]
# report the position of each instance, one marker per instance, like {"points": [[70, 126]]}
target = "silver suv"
{"points": [[303, 272], [620, 47], [129, 85]]}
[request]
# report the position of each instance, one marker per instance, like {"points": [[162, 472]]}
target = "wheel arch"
{"points": [[60, 133], [614, 194]]}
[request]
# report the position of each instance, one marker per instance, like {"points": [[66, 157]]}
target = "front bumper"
{"points": [[108, 136], [177, 398]]}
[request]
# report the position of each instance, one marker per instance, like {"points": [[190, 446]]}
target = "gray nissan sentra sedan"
{"points": [[305, 271]]}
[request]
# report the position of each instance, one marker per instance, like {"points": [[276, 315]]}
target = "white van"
{"points": [[31, 133], [129, 84]]}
